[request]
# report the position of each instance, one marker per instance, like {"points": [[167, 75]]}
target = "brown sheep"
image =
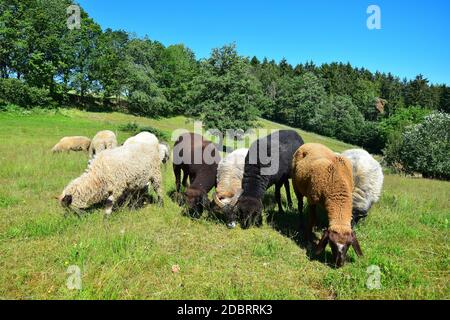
{"points": [[198, 159], [72, 144], [326, 179]]}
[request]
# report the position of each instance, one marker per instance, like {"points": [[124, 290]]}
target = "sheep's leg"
{"points": [[157, 187], [278, 197], [109, 205], [311, 223], [177, 172], [288, 194], [185, 180]]}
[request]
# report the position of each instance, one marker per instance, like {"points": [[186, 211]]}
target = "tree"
{"points": [[423, 148], [225, 94], [145, 97], [180, 67], [340, 119], [418, 93], [300, 99]]}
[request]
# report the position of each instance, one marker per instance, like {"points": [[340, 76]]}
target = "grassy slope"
{"points": [[131, 255]]}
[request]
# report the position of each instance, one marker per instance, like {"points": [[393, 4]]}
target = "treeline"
{"points": [[44, 63]]}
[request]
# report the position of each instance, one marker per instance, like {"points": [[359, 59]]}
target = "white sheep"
{"points": [[150, 138], [368, 180], [230, 173], [164, 152], [143, 137], [72, 144], [103, 140], [113, 174]]}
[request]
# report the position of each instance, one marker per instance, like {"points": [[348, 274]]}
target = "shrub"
{"points": [[423, 148], [14, 91], [134, 128]]}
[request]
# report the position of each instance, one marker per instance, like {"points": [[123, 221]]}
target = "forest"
{"points": [[46, 64]]}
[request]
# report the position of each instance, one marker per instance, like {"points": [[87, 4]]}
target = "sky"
{"points": [[414, 37]]}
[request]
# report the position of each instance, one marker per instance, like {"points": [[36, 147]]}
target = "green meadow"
{"points": [[132, 254]]}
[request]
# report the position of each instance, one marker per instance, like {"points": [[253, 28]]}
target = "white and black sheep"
{"points": [[113, 174], [103, 140], [368, 182]]}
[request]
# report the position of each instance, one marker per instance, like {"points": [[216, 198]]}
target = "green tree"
{"points": [[340, 119], [225, 94], [144, 95]]}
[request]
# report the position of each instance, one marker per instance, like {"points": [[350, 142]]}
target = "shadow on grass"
{"points": [[293, 225]]}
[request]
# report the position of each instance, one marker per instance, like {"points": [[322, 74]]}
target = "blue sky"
{"points": [[415, 35]]}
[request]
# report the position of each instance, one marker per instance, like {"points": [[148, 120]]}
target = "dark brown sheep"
{"points": [[198, 159]]}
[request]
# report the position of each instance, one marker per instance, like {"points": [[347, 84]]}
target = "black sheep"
{"points": [[261, 172], [198, 159]]}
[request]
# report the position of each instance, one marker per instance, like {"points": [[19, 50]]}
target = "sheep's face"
{"points": [[224, 202], [196, 201], [66, 201], [339, 243], [248, 211]]}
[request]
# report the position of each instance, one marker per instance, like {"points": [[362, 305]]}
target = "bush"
{"points": [[423, 148], [134, 128], [14, 91]]}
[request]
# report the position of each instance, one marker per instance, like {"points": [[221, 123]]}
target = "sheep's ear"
{"points": [[67, 200], [323, 242], [355, 245]]}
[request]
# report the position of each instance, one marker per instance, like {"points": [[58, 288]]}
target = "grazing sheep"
{"points": [[147, 137], [114, 174], [198, 159], [326, 179], [143, 137], [368, 180], [269, 162], [72, 144], [229, 181], [164, 152], [103, 140]]}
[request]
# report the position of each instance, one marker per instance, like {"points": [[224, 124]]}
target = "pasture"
{"points": [[132, 254]]}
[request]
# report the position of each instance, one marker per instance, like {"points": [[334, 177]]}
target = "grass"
{"points": [[131, 255]]}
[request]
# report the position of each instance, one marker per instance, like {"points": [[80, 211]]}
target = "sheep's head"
{"points": [[339, 242], [224, 202], [196, 201], [65, 200], [248, 211]]}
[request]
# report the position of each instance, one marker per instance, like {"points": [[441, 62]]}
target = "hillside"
{"points": [[131, 255]]}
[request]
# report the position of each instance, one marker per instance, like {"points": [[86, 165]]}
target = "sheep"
{"points": [[326, 179], [103, 140], [368, 180], [268, 162], [143, 137], [198, 159], [114, 174], [229, 181], [147, 137], [72, 144], [164, 152]]}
